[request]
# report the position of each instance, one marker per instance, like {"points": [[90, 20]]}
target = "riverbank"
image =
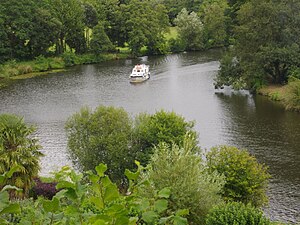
{"points": [[14, 70], [288, 95]]}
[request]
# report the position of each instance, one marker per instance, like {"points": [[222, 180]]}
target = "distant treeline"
{"points": [[30, 28], [263, 35]]}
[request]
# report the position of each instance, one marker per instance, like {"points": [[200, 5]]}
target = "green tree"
{"points": [[266, 46], [150, 130], [102, 136], [70, 15], [18, 149], [146, 23], [181, 170], [190, 29], [245, 179], [100, 41], [90, 20], [212, 13]]}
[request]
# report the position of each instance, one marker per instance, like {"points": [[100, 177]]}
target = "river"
{"points": [[180, 83]]}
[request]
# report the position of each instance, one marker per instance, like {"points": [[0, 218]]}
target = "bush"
{"points": [[102, 136], [245, 179], [236, 213], [181, 170], [162, 126], [292, 97], [176, 45], [47, 190]]}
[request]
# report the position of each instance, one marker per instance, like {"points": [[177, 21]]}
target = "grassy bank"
{"points": [[288, 95], [14, 70]]}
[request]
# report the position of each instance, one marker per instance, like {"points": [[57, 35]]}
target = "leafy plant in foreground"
{"points": [[18, 149]]}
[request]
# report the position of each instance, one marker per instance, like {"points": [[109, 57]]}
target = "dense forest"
{"points": [[262, 36]]}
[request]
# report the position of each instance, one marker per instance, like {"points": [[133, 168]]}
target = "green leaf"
{"points": [[132, 176], [12, 208], [51, 205], [12, 171], [160, 205], [133, 220], [100, 222], [101, 168], [65, 184], [143, 205], [178, 220], [164, 193], [149, 217], [182, 212], [10, 187], [111, 193]]}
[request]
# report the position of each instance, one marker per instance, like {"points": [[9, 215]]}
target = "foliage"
{"points": [[94, 199], [267, 46], [176, 45], [7, 208], [150, 130], [236, 213], [100, 41], [292, 97], [212, 13], [181, 169], [45, 189], [190, 29], [101, 136], [145, 25], [18, 149], [245, 179]]}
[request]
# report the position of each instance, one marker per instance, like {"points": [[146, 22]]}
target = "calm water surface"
{"points": [[182, 83]]}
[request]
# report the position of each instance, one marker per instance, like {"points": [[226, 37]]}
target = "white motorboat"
{"points": [[139, 73]]}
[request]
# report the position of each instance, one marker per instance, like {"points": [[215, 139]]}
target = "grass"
{"points": [[288, 95]]}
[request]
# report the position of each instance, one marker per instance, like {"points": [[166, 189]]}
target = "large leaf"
{"points": [[65, 184], [12, 208], [182, 212], [164, 193], [101, 168], [51, 205], [160, 205], [132, 176], [149, 217], [178, 220]]}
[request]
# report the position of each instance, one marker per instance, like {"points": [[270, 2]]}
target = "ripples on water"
{"points": [[179, 82]]}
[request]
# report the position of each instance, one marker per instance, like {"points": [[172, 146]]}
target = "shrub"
{"points": [[176, 45], [236, 213], [69, 58], [101, 136], [245, 179], [47, 190], [181, 170], [168, 127], [18, 149], [292, 97]]}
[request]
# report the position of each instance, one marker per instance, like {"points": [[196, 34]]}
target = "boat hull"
{"points": [[138, 80]]}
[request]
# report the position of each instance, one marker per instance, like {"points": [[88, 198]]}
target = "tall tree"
{"points": [[190, 29], [18, 149], [147, 20], [70, 15], [267, 45], [213, 16]]}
